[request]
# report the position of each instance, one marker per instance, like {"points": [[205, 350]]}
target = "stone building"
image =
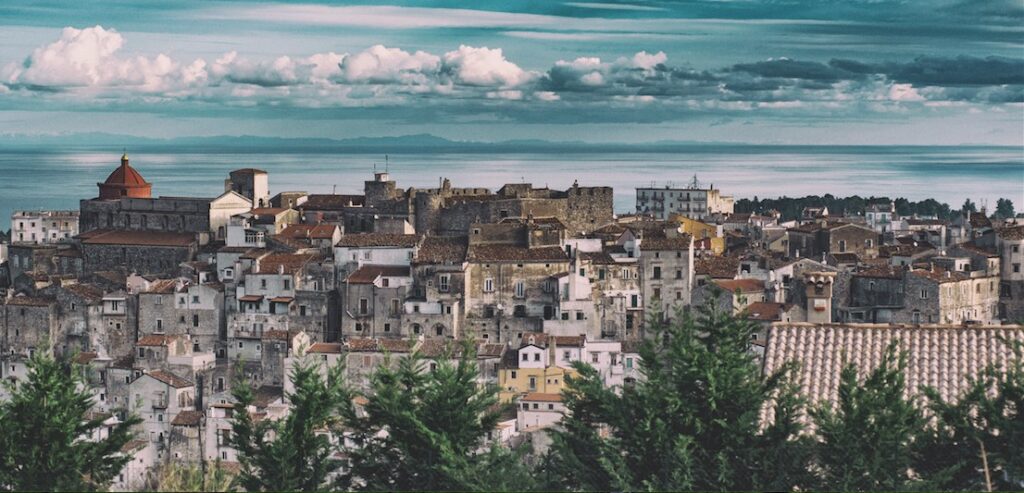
{"points": [[815, 239], [1010, 248], [176, 307], [43, 227], [437, 296], [251, 183], [666, 270], [372, 302], [147, 253]]}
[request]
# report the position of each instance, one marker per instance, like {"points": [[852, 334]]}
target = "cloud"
{"points": [[380, 64], [614, 6], [483, 67]]}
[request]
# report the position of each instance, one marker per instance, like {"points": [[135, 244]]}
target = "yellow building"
{"points": [[701, 230], [540, 365]]}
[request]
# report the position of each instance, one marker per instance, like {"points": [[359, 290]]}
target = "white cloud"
{"points": [[613, 6], [483, 67], [904, 92], [385, 65]]}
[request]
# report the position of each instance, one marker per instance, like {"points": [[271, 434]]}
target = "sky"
{"points": [[915, 72]]}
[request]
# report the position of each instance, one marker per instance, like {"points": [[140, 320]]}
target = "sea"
{"points": [[48, 179]]}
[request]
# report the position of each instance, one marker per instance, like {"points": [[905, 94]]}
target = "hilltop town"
{"points": [[170, 301]]}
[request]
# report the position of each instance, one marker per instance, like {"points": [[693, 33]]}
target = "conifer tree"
{"points": [[288, 454], [424, 429], [976, 441], [46, 435], [188, 477], [691, 422], [870, 438]]}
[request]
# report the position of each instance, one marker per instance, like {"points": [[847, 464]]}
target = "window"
{"points": [[533, 385], [513, 374], [579, 315], [924, 294], [385, 282], [159, 300], [679, 274], [868, 243], [657, 273], [195, 320], [526, 357], [842, 246], [536, 356], [565, 315], [488, 285], [142, 352], [629, 362], [595, 357], [520, 289], [657, 293], [263, 284], [1016, 268], [395, 307], [159, 325], [600, 274], [302, 310], [567, 355], [443, 283], [364, 306], [551, 407], [387, 327], [287, 284], [633, 300], [583, 272]]}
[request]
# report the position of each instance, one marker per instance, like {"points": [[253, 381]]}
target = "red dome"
{"points": [[125, 182]]}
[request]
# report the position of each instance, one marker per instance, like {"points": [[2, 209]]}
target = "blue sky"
{"points": [[781, 71]]}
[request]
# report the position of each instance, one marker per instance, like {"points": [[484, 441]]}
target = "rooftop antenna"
{"points": [[386, 163], [334, 189], [694, 184]]}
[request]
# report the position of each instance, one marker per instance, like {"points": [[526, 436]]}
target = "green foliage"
{"points": [[288, 454], [45, 436], [424, 429], [869, 439], [791, 207], [1004, 209], [968, 207], [983, 427], [691, 423], [178, 477]]}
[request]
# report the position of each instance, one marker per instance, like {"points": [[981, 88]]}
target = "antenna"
{"points": [[386, 163]]}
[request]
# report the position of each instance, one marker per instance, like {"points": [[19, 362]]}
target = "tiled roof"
{"points": [[325, 348], [275, 335], [717, 267], [511, 253], [926, 222], [248, 171], [187, 418], [1011, 233], [124, 362], [154, 340], [542, 397], [170, 379], [379, 240], [133, 446], [85, 357], [942, 357], [765, 311], [290, 262], [940, 276], [22, 300], [442, 249], [266, 395], [162, 286], [332, 202], [369, 273], [267, 211], [140, 238], [251, 298], [435, 348], [846, 257], [309, 231], [743, 285], [358, 344], [488, 350], [980, 220], [86, 291], [881, 272], [597, 258]]}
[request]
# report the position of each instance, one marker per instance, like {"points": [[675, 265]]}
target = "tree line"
{"points": [[791, 207], [692, 422]]}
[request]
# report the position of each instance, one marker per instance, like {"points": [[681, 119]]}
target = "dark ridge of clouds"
{"points": [[943, 71], [795, 69]]}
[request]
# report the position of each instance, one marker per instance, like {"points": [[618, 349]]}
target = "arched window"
{"points": [[416, 329], [439, 329]]}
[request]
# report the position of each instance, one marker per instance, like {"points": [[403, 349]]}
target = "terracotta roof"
{"points": [[940, 276], [266, 394], [369, 273], [597, 258], [170, 379], [743, 285], [881, 272], [544, 340], [309, 231], [141, 238], [972, 247], [162, 286], [267, 211], [154, 340], [379, 240], [124, 362], [357, 344], [487, 350], [325, 347], [22, 300], [942, 357], [275, 335], [89, 292], [435, 348], [677, 243], [291, 262], [846, 257], [765, 311], [187, 418], [282, 299], [442, 250], [926, 222], [542, 397], [979, 220], [251, 298], [716, 267], [510, 253], [125, 175], [133, 446], [325, 202], [1011, 233], [85, 357]]}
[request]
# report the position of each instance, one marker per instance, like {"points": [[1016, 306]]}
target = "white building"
{"points": [[692, 201], [538, 410], [43, 227]]}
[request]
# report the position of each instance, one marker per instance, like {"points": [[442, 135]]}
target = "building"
{"points": [[44, 227], [537, 410], [818, 238], [1010, 247], [692, 201]]}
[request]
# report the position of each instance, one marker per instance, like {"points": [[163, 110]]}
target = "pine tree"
{"points": [[424, 430], [692, 422], [869, 439], [982, 429], [45, 432], [289, 454], [181, 477]]}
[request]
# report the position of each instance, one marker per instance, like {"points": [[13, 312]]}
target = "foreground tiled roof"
{"points": [[378, 240], [309, 231], [542, 397], [187, 418], [717, 267], [154, 340], [765, 311], [940, 356]]}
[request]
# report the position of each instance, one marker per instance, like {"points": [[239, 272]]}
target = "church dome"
{"points": [[125, 182]]}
